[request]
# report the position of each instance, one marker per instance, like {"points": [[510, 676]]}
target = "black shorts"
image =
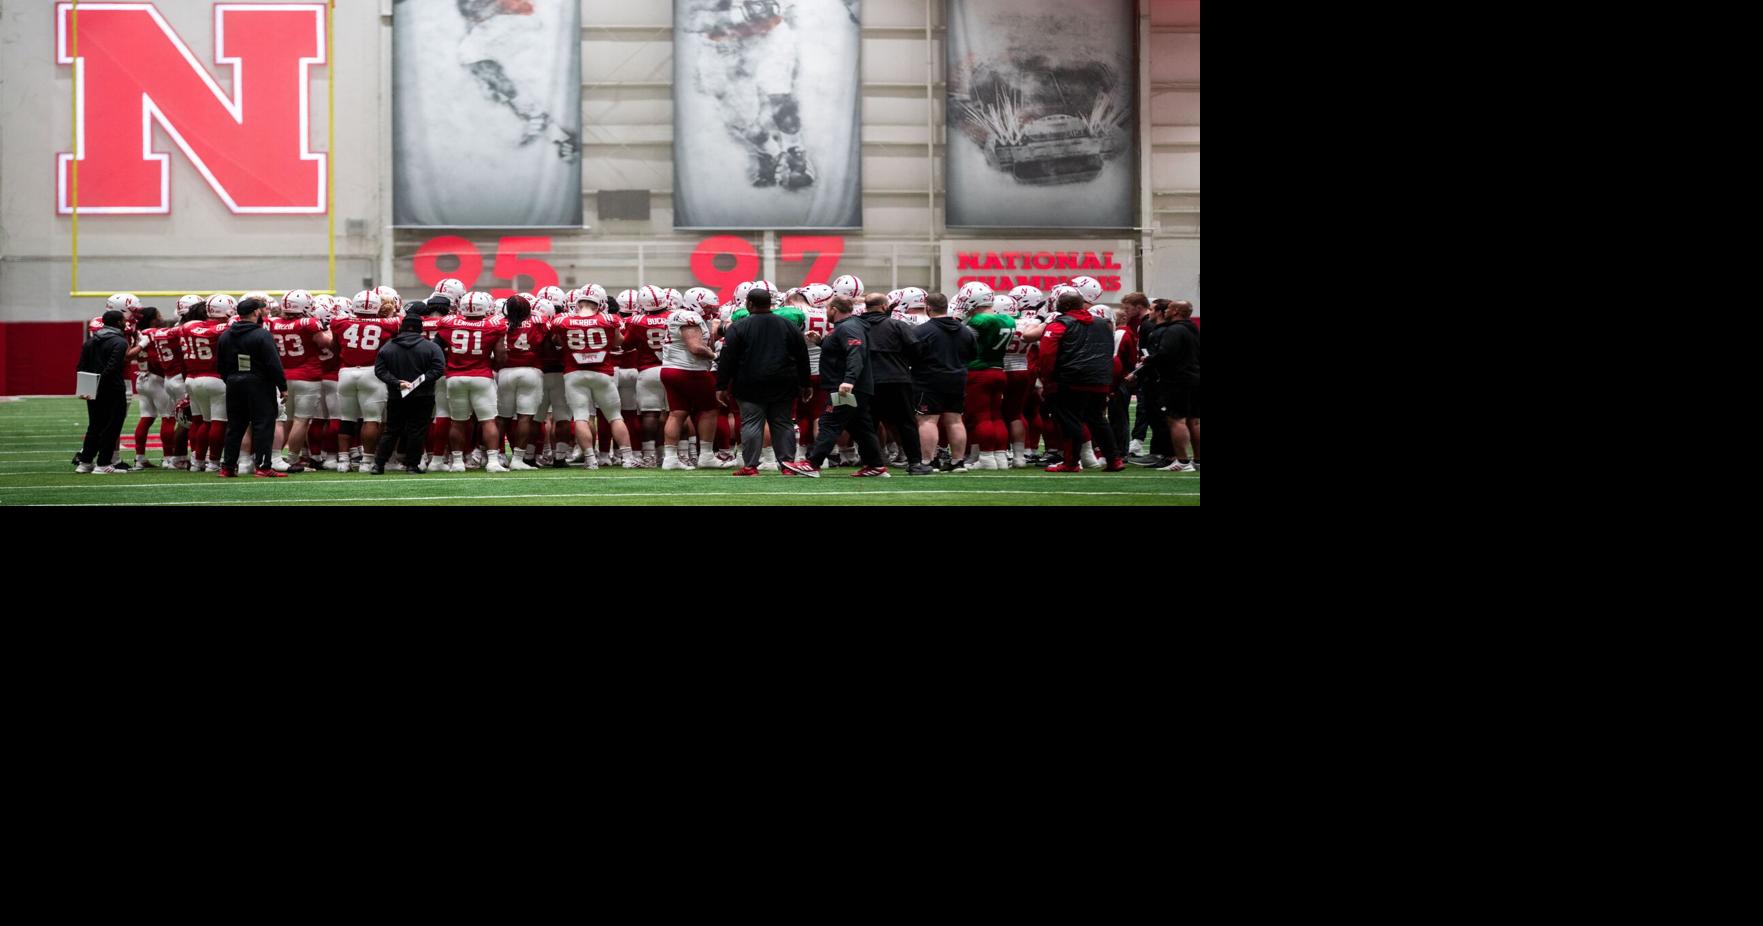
{"points": [[932, 400], [1179, 401]]}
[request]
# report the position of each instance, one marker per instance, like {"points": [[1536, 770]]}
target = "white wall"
{"points": [[627, 118]]}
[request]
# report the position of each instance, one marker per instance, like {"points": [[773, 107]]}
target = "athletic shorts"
{"points": [[651, 394], [1179, 400], [471, 395], [332, 392], [442, 409], [361, 394], [690, 391], [519, 391], [587, 391], [938, 399], [556, 401], [627, 389], [305, 398], [156, 401], [208, 398]]}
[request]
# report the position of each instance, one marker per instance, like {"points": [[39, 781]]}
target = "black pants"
{"points": [[250, 403], [892, 405], [838, 419], [1073, 410], [1118, 419], [407, 427], [104, 416]]}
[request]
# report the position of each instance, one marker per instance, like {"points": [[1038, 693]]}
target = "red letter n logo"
{"points": [[251, 146]]}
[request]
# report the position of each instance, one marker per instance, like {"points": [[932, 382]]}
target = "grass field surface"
{"points": [[38, 437]]}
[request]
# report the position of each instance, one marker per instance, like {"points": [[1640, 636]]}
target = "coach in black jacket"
{"points": [[400, 362], [764, 365], [252, 368], [893, 352], [845, 369], [105, 353]]}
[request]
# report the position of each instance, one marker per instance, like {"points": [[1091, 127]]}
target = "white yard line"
{"points": [[433, 498]]}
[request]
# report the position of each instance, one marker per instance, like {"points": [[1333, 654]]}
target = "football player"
{"points": [[470, 340], [202, 378], [686, 361], [587, 338], [520, 384]]}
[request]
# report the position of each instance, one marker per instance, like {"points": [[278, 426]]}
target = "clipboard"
{"points": [[87, 386], [405, 393]]}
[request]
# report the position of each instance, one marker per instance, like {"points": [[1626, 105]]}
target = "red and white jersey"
{"points": [[431, 328], [164, 355], [1016, 352], [296, 339], [587, 341], [128, 327], [622, 357], [644, 338], [524, 341], [202, 346], [359, 339], [330, 361], [468, 343], [815, 320], [674, 355], [550, 355]]}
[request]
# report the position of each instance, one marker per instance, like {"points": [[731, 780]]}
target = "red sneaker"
{"points": [[746, 471], [269, 474], [1117, 466], [1065, 468], [879, 471], [793, 468], [227, 473]]}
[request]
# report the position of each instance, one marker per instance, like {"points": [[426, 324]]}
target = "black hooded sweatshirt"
{"points": [[945, 346], [408, 356]]}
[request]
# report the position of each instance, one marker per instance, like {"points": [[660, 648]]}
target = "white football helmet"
{"points": [[221, 305], [297, 302], [675, 299], [500, 308], [818, 294], [256, 294], [893, 298], [701, 300], [628, 300], [452, 289], [740, 296], [1088, 287], [476, 305], [974, 294], [554, 295], [1004, 305], [766, 285], [544, 309], [1028, 298], [529, 297], [122, 302], [912, 298], [652, 298], [1103, 312], [593, 292], [1057, 291], [389, 296], [848, 286], [184, 302]]}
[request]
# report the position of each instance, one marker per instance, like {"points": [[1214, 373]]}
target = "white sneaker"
{"points": [[424, 463], [985, 461], [960, 467], [592, 462], [605, 459], [1135, 448], [767, 467], [545, 459], [575, 456], [343, 465], [494, 465], [213, 467], [458, 467], [715, 462], [674, 463], [1177, 467], [83, 468], [328, 465], [478, 459], [107, 471], [648, 461], [280, 465], [516, 464]]}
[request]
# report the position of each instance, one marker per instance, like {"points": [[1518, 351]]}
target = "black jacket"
{"points": [[892, 352], [763, 359], [407, 356], [105, 354], [250, 340], [945, 345], [1086, 353], [844, 357], [1175, 353]]}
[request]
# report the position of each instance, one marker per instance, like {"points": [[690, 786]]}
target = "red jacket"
{"points": [[1048, 360]]}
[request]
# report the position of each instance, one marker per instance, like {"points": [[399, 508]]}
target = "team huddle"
{"points": [[555, 378]]}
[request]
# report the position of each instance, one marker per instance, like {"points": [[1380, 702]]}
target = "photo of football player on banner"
{"points": [[487, 106], [767, 115], [1042, 114]]}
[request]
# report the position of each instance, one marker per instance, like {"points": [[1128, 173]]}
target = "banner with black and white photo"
{"points": [[487, 113], [767, 114], [1042, 113]]}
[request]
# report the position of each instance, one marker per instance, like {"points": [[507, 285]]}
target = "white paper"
{"points": [[839, 398], [413, 384]]}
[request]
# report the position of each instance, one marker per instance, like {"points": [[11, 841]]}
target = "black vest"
{"points": [[1086, 354]]}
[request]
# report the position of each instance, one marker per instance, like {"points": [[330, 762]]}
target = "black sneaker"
{"points": [[414, 470], [1148, 459], [377, 470], [921, 469], [1052, 458]]}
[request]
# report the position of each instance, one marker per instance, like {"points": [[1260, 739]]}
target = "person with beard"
{"points": [[944, 346], [1076, 368], [402, 361], [1174, 355], [252, 369], [106, 354], [891, 353]]}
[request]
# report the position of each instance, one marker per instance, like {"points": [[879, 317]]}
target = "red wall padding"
{"points": [[38, 358]]}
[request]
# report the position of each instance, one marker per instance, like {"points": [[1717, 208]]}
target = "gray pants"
{"points": [[782, 416]]}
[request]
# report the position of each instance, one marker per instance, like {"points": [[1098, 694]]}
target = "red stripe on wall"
{"points": [[38, 358]]}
